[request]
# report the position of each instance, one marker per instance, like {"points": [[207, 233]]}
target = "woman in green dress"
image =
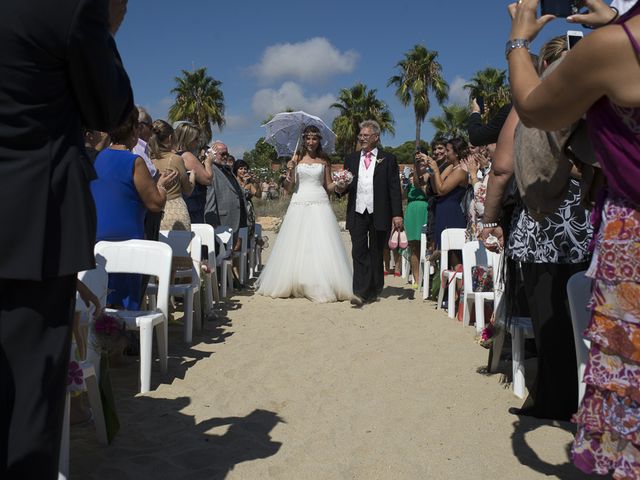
{"points": [[415, 216]]}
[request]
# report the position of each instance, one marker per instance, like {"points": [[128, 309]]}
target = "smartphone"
{"points": [[480, 102], [559, 8], [573, 37]]}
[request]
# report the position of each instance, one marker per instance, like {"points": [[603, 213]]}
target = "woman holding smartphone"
{"points": [[604, 73]]}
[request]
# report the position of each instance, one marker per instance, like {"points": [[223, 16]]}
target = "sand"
{"points": [[288, 389]]}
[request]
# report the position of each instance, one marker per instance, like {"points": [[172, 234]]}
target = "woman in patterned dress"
{"points": [[604, 73]]}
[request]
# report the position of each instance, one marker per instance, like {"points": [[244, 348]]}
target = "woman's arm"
{"points": [[453, 177], [187, 182], [499, 176], [203, 171], [153, 195], [329, 184], [290, 180], [603, 63]]}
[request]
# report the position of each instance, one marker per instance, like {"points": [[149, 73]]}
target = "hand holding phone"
{"points": [[559, 8]]}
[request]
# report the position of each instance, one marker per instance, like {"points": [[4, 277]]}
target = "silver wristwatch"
{"points": [[515, 43]]}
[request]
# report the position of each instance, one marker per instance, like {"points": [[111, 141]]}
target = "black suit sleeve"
{"points": [[480, 134], [395, 194], [99, 81]]}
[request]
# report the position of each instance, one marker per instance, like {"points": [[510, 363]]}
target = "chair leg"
{"points": [[479, 314], [469, 298], [496, 349], [208, 293], [225, 275], [440, 296], [146, 339], [451, 302], [197, 308], [93, 392], [215, 286], [162, 343], [63, 459], [517, 355], [188, 317]]}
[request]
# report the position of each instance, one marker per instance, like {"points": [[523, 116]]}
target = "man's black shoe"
{"points": [[357, 300]]}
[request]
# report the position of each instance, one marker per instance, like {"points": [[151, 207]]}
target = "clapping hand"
{"points": [[168, 179]]}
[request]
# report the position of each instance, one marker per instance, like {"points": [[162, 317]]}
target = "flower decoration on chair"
{"points": [[344, 176], [109, 330]]}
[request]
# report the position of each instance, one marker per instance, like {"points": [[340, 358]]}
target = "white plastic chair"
{"points": [[579, 291], [208, 237], [185, 244], [243, 253], [473, 254], [255, 251], [97, 281], [143, 257], [521, 329], [425, 267], [450, 239], [224, 237]]}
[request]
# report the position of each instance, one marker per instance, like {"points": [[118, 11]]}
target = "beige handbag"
{"points": [[543, 163]]}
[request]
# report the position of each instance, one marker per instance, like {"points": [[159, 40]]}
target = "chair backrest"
{"points": [[184, 243], [145, 257], [224, 237], [450, 239], [96, 280], [423, 246], [579, 291], [207, 235], [474, 253]]}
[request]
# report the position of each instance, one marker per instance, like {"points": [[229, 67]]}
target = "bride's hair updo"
{"points": [[302, 149]]}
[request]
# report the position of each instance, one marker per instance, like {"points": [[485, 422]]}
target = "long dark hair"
{"points": [[302, 148]]}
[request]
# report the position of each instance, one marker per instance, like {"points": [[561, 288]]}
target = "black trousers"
{"points": [[367, 247], [554, 394], [35, 340]]}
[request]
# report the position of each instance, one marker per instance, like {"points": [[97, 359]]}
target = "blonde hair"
{"points": [[159, 141], [551, 51], [185, 134]]}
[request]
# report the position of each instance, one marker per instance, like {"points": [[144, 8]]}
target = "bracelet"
{"points": [[615, 17], [490, 225]]}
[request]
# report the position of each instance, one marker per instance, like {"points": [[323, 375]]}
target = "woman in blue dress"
{"points": [[450, 186], [123, 191]]}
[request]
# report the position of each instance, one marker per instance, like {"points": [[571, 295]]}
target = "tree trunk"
{"points": [[418, 123]]}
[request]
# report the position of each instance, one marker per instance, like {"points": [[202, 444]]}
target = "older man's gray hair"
{"points": [[143, 115], [372, 125]]}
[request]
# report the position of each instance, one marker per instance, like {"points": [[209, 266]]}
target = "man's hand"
{"points": [[117, 11], [398, 223]]}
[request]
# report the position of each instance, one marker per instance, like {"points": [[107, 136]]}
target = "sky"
{"points": [[282, 54]]}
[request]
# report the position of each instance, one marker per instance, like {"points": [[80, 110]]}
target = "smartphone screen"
{"points": [[559, 8], [573, 37]]}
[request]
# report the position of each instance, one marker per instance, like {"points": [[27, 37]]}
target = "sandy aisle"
{"points": [[287, 389]]}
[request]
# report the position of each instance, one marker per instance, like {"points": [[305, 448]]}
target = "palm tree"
{"points": [[357, 104], [491, 84], [420, 74], [452, 122], [198, 100]]}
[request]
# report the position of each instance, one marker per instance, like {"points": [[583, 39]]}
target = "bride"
{"points": [[308, 258]]}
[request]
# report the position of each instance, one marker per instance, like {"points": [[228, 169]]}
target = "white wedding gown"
{"points": [[308, 258]]}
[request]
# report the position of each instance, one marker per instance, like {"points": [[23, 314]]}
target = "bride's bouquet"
{"points": [[345, 177]]}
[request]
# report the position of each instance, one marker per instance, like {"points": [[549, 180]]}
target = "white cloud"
{"points": [[235, 121], [312, 60], [457, 93], [290, 95]]}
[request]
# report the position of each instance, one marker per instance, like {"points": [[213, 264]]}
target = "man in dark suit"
{"points": [[374, 205], [60, 72]]}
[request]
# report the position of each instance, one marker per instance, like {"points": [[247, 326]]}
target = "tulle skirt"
{"points": [[309, 258]]}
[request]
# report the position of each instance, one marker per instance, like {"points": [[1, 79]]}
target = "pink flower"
{"points": [[74, 373]]}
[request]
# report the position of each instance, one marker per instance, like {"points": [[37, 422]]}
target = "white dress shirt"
{"points": [[142, 150], [364, 192]]}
